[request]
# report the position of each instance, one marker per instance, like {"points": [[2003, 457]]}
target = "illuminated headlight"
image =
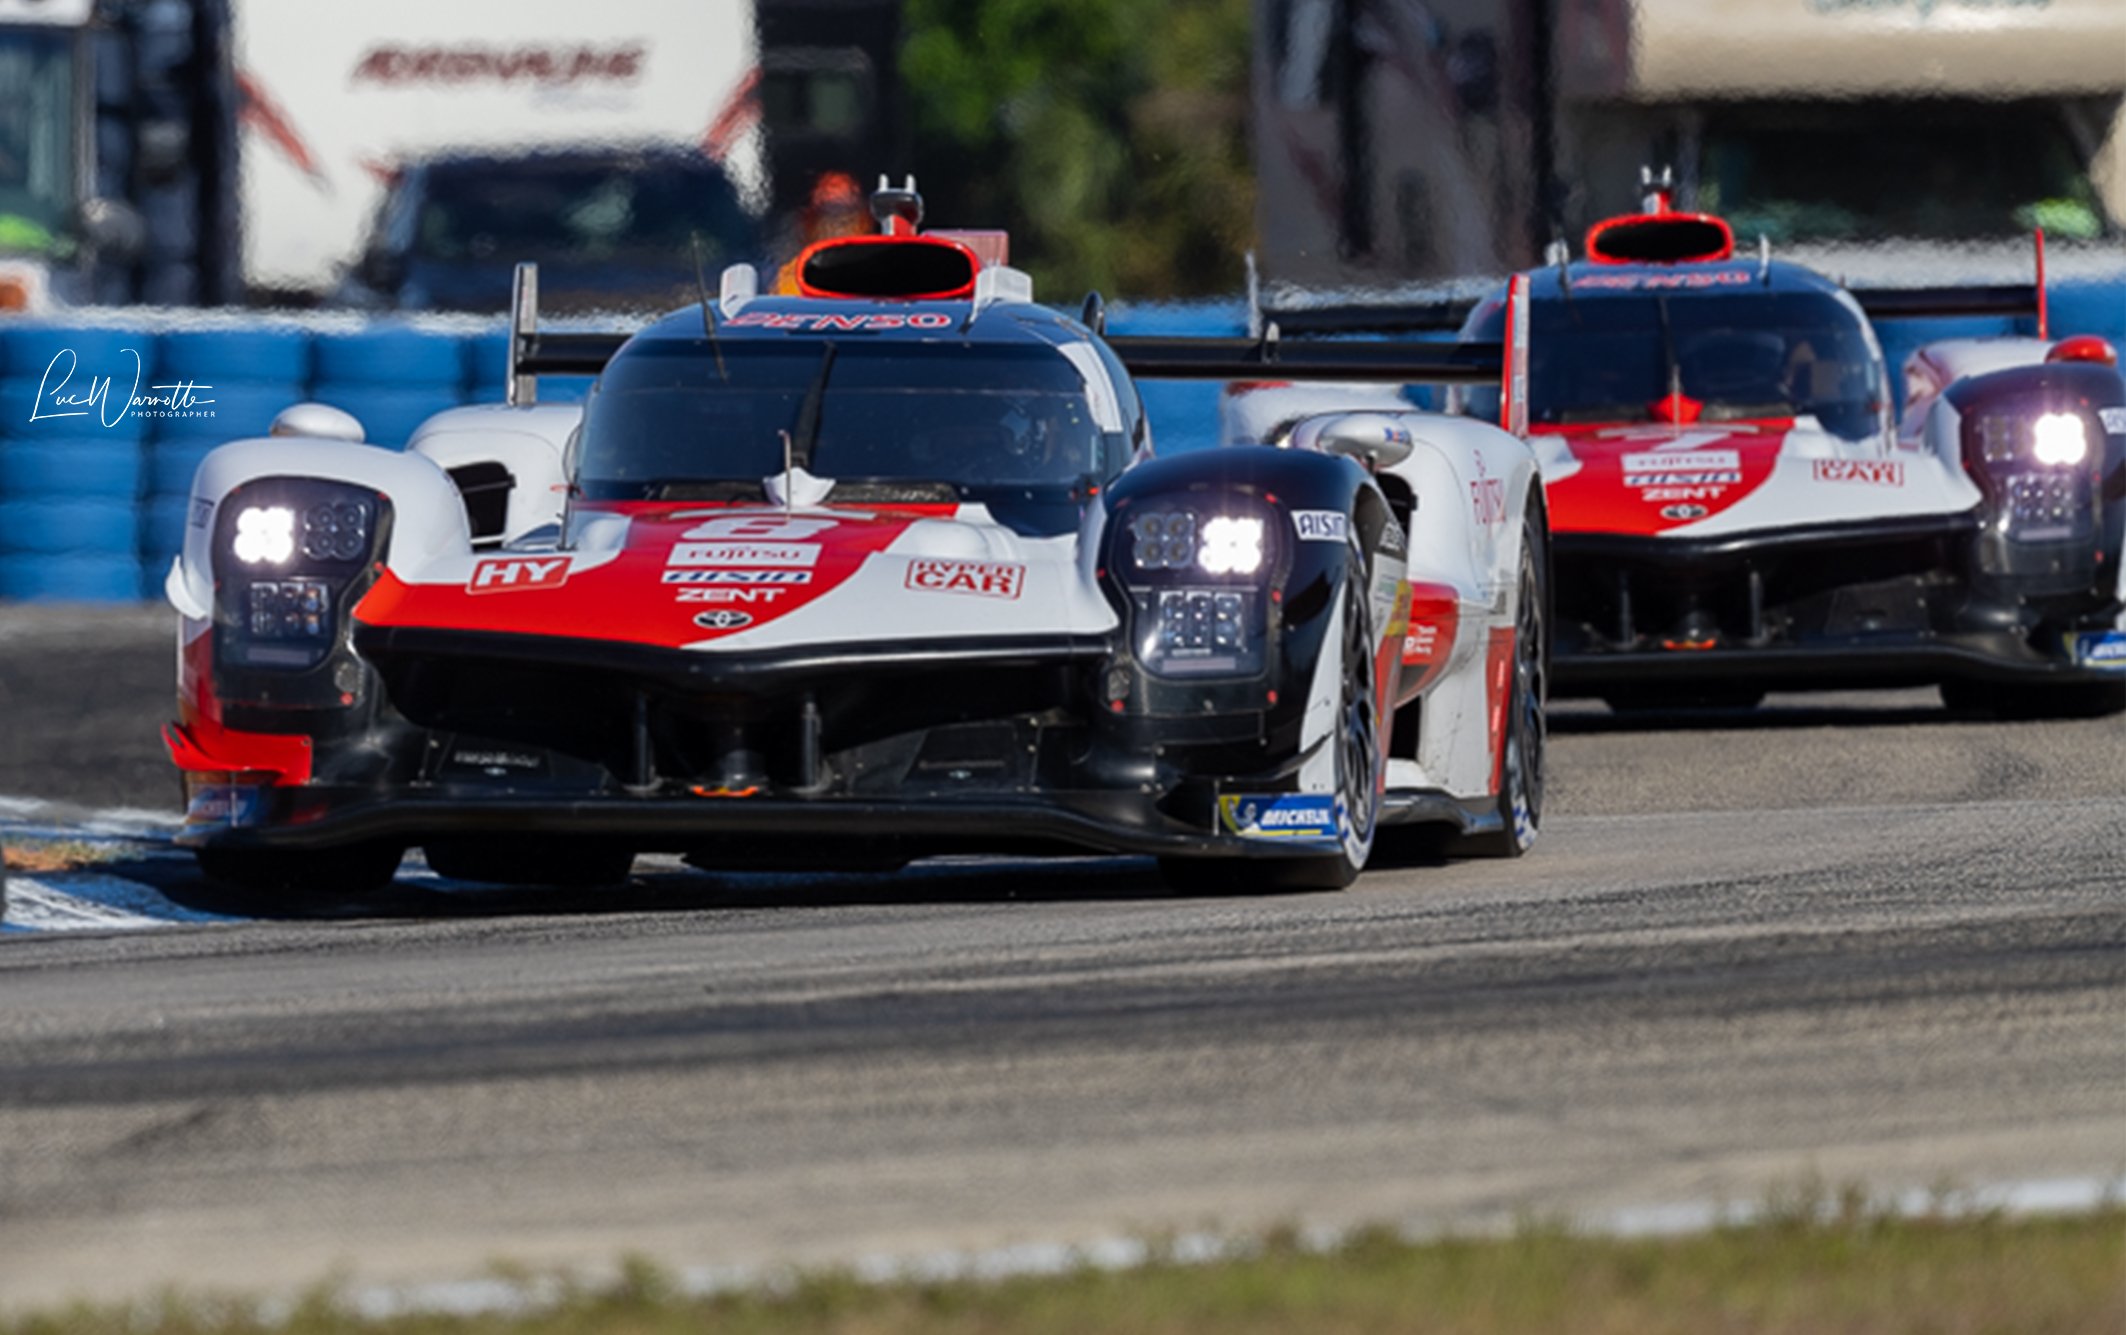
{"points": [[1231, 546], [265, 534], [1177, 540], [2059, 439]]}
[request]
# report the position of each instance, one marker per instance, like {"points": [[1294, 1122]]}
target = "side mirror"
{"points": [[1376, 440]]}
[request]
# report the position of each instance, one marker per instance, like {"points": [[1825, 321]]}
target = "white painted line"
{"points": [[40, 907]]}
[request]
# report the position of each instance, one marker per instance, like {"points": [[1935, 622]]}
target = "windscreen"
{"points": [[515, 209], [975, 417], [1746, 356]]}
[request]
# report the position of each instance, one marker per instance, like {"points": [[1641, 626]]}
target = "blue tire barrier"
{"points": [[26, 351], [69, 527], [388, 416], [390, 356], [486, 367], [105, 577], [162, 530], [85, 468], [227, 412], [221, 357], [23, 399], [171, 464]]}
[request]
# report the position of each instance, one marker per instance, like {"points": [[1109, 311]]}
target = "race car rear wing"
{"points": [[534, 352]]}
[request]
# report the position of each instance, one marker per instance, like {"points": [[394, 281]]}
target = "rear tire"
{"points": [[1520, 799], [294, 876], [2050, 700], [529, 861]]}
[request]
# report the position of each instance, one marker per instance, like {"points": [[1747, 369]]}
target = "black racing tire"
{"points": [[298, 876], [1359, 761], [2043, 700], [530, 860], [1520, 800]]}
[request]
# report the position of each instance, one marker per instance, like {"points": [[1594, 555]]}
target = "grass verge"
{"points": [[1804, 1272]]}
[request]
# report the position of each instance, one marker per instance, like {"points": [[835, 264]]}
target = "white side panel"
{"points": [[531, 442], [428, 518]]}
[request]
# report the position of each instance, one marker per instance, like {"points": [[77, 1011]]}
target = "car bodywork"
{"points": [[1736, 510], [881, 570]]}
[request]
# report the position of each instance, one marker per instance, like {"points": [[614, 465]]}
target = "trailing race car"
{"points": [[880, 570], [1735, 509]]}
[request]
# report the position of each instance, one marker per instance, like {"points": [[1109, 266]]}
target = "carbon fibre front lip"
{"points": [[1088, 822], [2004, 658]]}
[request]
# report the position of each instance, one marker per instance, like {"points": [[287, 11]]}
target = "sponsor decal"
{"points": [[1660, 495], [1628, 282], [1684, 513], [229, 804], [471, 63], [1683, 468], [723, 618], [499, 760], [988, 579], [1322, 525], [1874, 472], [2101, 649], [1292, 817], [1421, 645], [721, 594], [785, 320], [2114, 420], [1489, 498], [1393, 541], [514, 573], [721, 576], [745, 554]]}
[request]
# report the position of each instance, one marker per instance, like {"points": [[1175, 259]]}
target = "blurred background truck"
{"points": [[1896, 139], [199, 152]]}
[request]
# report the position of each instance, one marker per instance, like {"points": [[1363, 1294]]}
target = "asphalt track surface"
{"points": [[1856, 937]]}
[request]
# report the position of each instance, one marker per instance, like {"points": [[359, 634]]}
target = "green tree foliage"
{"points": [[1110, 136]]}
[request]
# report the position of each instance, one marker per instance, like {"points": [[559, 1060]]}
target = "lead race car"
{"points": [[880, 570], [1735, 508]]}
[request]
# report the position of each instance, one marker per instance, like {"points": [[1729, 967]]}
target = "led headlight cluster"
{"points": [[290, 609], [330, 531], [1194, 575], [291, 555], [2054, 439], [1177, 540]]}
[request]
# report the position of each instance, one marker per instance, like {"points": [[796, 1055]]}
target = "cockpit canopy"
{"points": [[1742, 355], [968, 420]]}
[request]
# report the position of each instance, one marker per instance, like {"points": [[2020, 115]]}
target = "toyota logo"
{"points": [[723, 618], [1685, 512]]}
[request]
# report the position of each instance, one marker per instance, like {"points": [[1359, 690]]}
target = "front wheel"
{"points": [[1520, 797], [1355, 750]]}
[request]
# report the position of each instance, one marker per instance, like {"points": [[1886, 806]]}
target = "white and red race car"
{"points": [[1735, 509], [883, 569]]}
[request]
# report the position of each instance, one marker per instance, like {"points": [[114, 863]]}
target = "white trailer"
{"points": [[337, 95]]}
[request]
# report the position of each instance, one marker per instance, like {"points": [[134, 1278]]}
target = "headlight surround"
{"points": [[1195, 572], [287, 553], [2033, 464]]}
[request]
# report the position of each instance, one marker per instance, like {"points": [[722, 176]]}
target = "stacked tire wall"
{"points": [[102, 427]]}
